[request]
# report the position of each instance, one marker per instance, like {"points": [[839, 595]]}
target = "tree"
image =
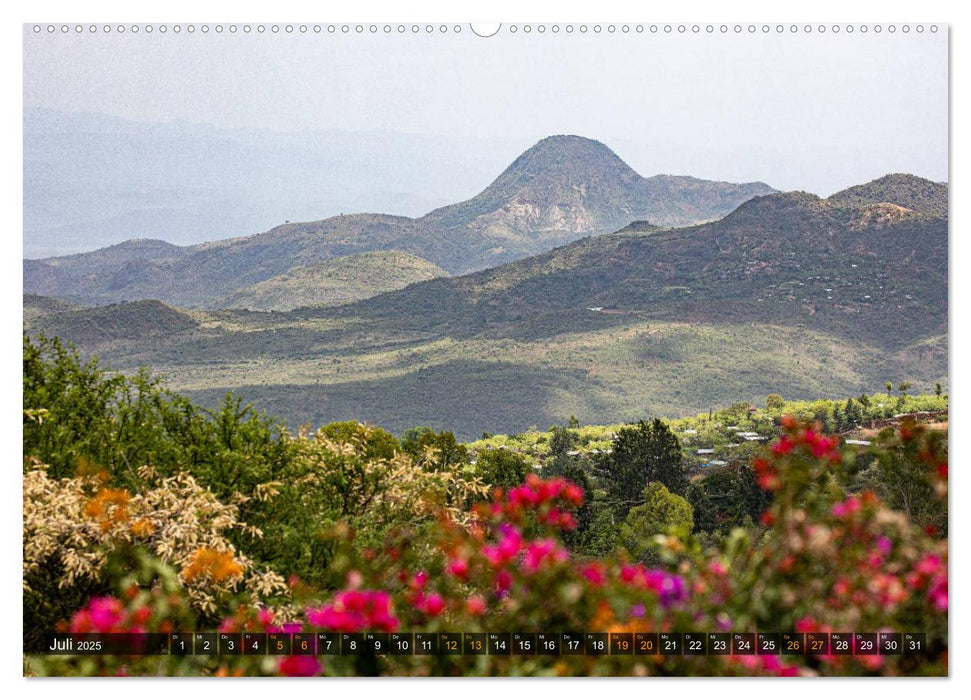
{"points": [[79, 419], [902, 480], [411, 438], [575, 471], [561, 441], [663, 512], [639, 456], [435, 451], [839, 420], [561, 444], [726, 499], [378, 443], [502, 468], [774, 402]]}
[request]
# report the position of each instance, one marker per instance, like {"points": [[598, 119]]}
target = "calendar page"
{"points": [[513, 349]]}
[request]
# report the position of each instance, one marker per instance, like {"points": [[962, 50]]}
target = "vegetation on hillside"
{"points": [[336, 281], [901, 189]]}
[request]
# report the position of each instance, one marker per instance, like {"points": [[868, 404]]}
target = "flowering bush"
{"points": [[824, 558], [79, 531]]}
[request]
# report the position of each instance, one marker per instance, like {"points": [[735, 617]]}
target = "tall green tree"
{"points": [[663, 512], [562, 442], [576, 470], [502, 468], [641, 455]]}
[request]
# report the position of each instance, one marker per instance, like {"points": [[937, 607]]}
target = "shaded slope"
{"points": [[134, 322]]}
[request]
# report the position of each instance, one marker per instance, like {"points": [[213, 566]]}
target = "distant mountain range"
{"points": [[562, 189], [857, 262], [789, 293]]}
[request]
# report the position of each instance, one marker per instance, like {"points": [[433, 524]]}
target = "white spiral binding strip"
{"points": [[556, 29]]}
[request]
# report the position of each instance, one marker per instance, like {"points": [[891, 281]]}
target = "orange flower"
{"points": [[635, 625], [216, 566], [109, 507], [603, 618], [143, 527]]}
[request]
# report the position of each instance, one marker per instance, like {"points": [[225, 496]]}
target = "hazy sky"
{"points": [[814, 112]]}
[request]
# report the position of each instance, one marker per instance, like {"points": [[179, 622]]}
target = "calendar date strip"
{"points": [[488, 643]]}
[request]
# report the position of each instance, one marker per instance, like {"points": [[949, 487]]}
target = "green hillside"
{"points": [[790, 294], [36, 306], [336, 281], [134, 323], [874, 273]]}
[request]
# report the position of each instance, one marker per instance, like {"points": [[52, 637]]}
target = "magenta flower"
{"points": [[299, 666], [265, 616], [594, 574], [507, 549], [670, 588], [101, 615], [106, 613], [432, 604], [938, 593], [459, 568], [542, 552], [355, 611]]}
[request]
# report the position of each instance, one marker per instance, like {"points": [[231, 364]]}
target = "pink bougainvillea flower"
{"points": [[100, 615], [475, 605], [507, 549], [299, 666], [265, 617], [356, 611], [106, 613], [594, 573], [540, 553], [459, 568], [846, 508], [432, 604]]}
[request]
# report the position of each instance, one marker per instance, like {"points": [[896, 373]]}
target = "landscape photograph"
{"points": [[452, 350]]}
